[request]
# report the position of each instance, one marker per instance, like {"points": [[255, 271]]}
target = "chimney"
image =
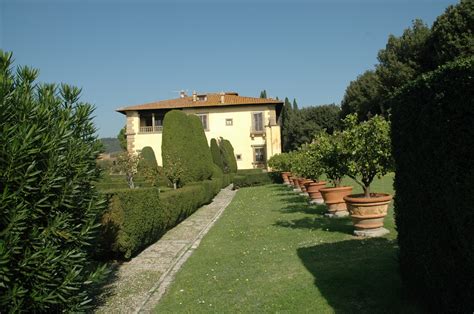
{"points": [[222, 97], [194, 96], [182, 94]]}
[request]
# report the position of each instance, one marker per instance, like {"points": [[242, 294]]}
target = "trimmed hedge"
{"points": [[254, 179], [433, 147], [137, 218], [228, 156], [216, 154]]}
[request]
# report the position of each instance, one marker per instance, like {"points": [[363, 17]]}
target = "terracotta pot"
{"points": [[285, 176], [296, 183], [313, 191], [302, 182], [368, 213], [334, 199]]}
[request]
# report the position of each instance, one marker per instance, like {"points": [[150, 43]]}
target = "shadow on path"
{"points": [[358, 276]]}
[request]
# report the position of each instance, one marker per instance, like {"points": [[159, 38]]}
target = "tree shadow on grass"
{"points": [[304, 208], [358, 276], [341, 225]]}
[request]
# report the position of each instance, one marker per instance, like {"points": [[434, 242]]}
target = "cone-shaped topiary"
{"points": [[228, 156], [216, 154], [186, 155], [49, 208]]}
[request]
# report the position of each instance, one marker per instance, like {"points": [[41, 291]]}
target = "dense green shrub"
{"points": [[255, 179], [433, 140], [186, 155], [280, 162], [49, 207], [216, 154], [334, 156], [137, 218], [228, 156], [148, 167]]}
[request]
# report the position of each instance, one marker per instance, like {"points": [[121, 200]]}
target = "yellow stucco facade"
{"points": [[234, 123]]}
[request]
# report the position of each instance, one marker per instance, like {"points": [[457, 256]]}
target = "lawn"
{"points": [[271, 252]]}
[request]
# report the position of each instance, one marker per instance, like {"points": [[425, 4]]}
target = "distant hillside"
{"points": [[111, 144]]}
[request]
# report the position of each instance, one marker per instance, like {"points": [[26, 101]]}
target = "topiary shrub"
{"points": [[228, 156], [186, 155], [49, 206], [216, 154], [433, 140], [148, 167]]}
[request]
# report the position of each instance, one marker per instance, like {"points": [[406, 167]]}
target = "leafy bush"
{"points": [[186, 155], [433, 140], [334, 156], [137, 218], [148, 167], [310, 161], [49, 207], [280, 162], [255, 179], [369, 147]]}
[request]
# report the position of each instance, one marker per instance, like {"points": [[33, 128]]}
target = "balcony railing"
{"points": [[151, 129]]}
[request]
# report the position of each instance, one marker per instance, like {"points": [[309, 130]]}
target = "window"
{"points": [[151, 122], [257, 121], [238, 156], [204, 120], [229, 122], [259, 154]]}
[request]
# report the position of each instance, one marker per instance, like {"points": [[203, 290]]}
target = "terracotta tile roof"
{"points": [[210, 100]]}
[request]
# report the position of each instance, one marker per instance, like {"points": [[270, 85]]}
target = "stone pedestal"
{"points": [[371, 233]]}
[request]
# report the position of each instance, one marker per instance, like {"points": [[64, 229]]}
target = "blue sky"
{"points": [[131, 52]]}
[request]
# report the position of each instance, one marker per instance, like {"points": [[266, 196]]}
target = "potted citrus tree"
{"points": [[312, 169], [334, 159], [280, 162], [370, 147], [296, 168]]}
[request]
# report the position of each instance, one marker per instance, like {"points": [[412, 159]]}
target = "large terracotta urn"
{"points": [[313, 191], [334, 199], [368, 213], [285, 176]]}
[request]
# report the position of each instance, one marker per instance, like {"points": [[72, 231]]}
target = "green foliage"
{"points": [[307, 122], [186, 155], [295, 105], [286, 125], [363, 97], [452, 34], [228, 156], [216, 154], [433, 140], [369, 147], [148, 167], [49, 207], [334, 157], [311, 166], [255, 179], [127, 163], [403, 58], [122, 138], [280, 162], [138, 218], [111, 145], [263, 94]]}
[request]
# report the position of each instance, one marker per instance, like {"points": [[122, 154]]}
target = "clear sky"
{"points": [[132, 52]]}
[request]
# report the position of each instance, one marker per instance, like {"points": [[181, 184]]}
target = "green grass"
{"points": [[271, 252]]}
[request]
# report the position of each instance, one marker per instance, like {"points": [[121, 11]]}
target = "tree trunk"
{"points": [[367, 191], [175, 186]]}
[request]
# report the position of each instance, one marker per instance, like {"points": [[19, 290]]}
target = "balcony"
{"points": [[151, 129]]}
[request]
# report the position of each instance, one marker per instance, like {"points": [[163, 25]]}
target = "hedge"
{"points": [[433, 147], [254, 179], [216, 154], [137, 218], [228, 156]]}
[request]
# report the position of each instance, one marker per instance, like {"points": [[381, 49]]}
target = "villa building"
{"points": [[250, 124]]}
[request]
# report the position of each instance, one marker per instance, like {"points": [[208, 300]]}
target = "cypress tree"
{"points": [[228, 156], [263, 94], [295, 105], [200, 147]]}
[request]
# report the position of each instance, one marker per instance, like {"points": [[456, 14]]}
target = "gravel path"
{"points": [[141, 282]]}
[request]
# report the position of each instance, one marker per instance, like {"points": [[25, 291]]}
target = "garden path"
{"points": [[141, 282]]}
